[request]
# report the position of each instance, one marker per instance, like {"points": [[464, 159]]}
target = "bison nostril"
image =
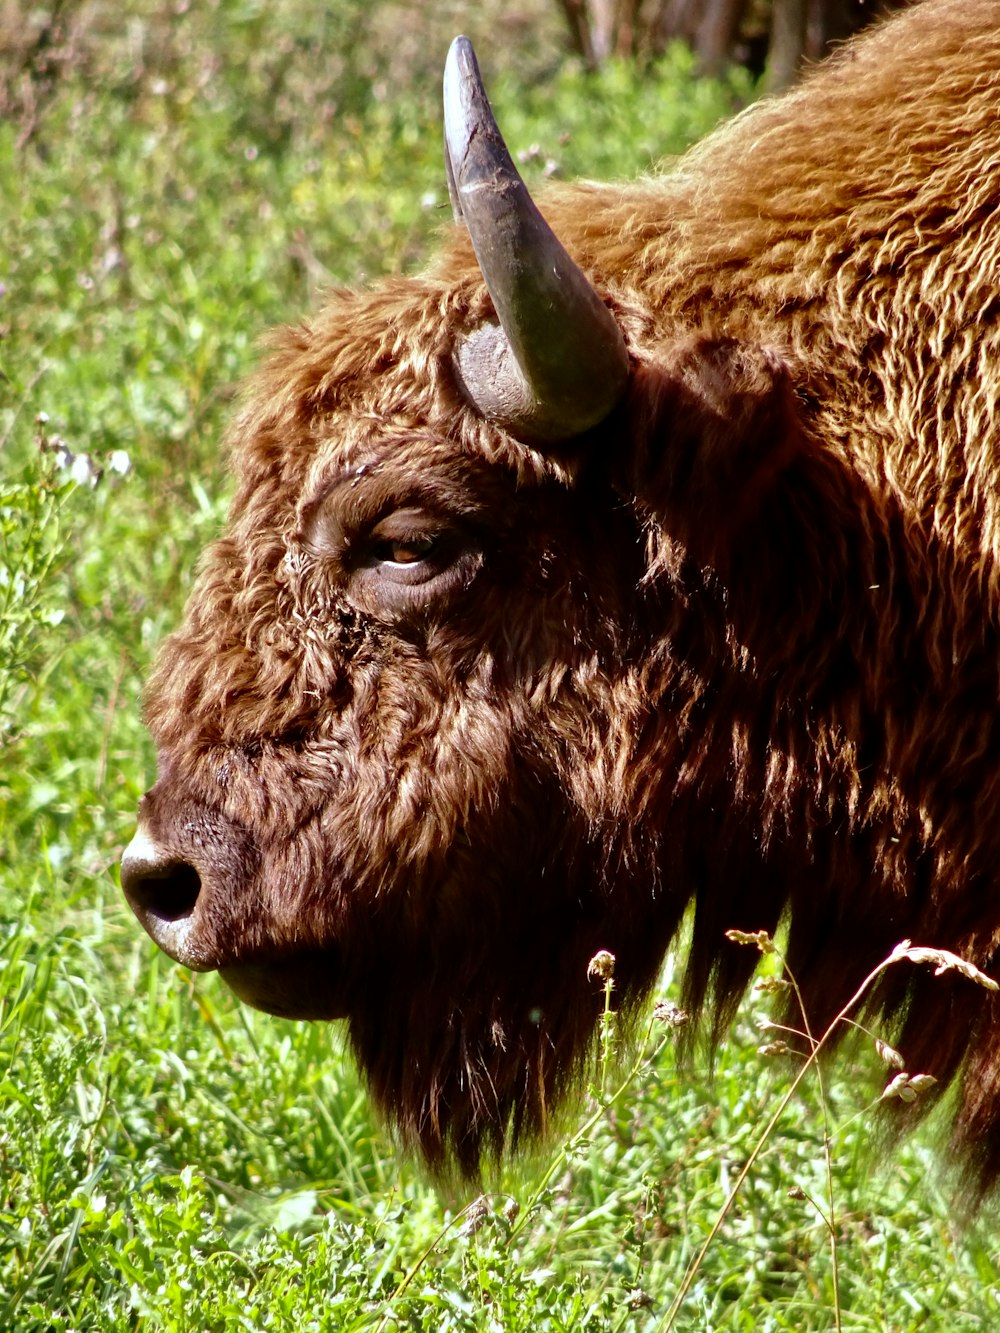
{"points": [[166, 893]]}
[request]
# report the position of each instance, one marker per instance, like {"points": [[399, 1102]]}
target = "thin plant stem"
{"points": [[561, 1157], [831, 1220], [558, 1161], [670, 1317]]}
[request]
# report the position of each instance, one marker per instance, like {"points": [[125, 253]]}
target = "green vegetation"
{"points": [[173, 180]]}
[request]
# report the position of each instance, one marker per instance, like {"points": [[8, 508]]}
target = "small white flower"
{"points": [[82, 471], [64, 455]]}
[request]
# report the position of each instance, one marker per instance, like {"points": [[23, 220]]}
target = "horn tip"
{"points": [[460, 67], [460, 50]]}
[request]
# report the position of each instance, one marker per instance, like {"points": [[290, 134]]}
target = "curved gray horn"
{"points": [[558, 364]]}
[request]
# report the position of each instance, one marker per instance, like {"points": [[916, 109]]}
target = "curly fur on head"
{"points": [[447, 715]]}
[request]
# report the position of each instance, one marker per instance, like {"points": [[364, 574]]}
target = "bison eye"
{"points": [[406, 552], [409, 561], [394, 563], [409, 543]]}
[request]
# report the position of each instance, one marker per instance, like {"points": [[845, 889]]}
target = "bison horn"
{"points": [[557, 364]]}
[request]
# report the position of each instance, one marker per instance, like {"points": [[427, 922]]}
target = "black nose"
{"points": [[164, 891]]}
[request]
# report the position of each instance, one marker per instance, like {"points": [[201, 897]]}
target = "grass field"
{"points": [[174, 178]]}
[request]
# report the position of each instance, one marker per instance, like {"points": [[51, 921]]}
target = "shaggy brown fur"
{"points": [[446, 715]]}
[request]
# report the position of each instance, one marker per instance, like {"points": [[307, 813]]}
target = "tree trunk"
{"points": [[788, 42], [578, 21], [602, 28], [676, 20], [716, 34], [718, 31], [627, 33]]}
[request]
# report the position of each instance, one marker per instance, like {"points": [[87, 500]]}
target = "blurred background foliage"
{"points": [[176, 177], [774, 38]]}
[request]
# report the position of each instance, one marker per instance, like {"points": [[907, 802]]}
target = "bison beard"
{"points": [[637, 556]]}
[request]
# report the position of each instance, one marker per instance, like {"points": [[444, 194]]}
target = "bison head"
{"points": [[404, 731], [557, 593]]}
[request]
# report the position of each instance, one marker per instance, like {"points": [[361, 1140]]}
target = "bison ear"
{"points": [[712, 425]]}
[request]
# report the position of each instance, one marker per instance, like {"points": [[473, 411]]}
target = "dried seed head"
{"points": [[921, 1082], [760, 938], [637, 1299], [669, 1014], [601, 966], [773, 1048], [888, 1054], [475, 1216], [907, 1087], [943, 961], [771, 985]]}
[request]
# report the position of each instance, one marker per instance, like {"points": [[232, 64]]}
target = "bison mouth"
{"points": [[301, 985]]}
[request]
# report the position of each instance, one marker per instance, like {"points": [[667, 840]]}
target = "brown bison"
{"points": [[580, 580]]}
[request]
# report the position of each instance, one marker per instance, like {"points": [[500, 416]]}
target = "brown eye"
{"points": [[408, 562], [406, 552]]}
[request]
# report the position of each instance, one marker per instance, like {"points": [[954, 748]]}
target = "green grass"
{"points": [[175, 180]]}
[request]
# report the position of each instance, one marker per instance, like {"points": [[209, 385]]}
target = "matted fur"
{"points": [[740, 645]]}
